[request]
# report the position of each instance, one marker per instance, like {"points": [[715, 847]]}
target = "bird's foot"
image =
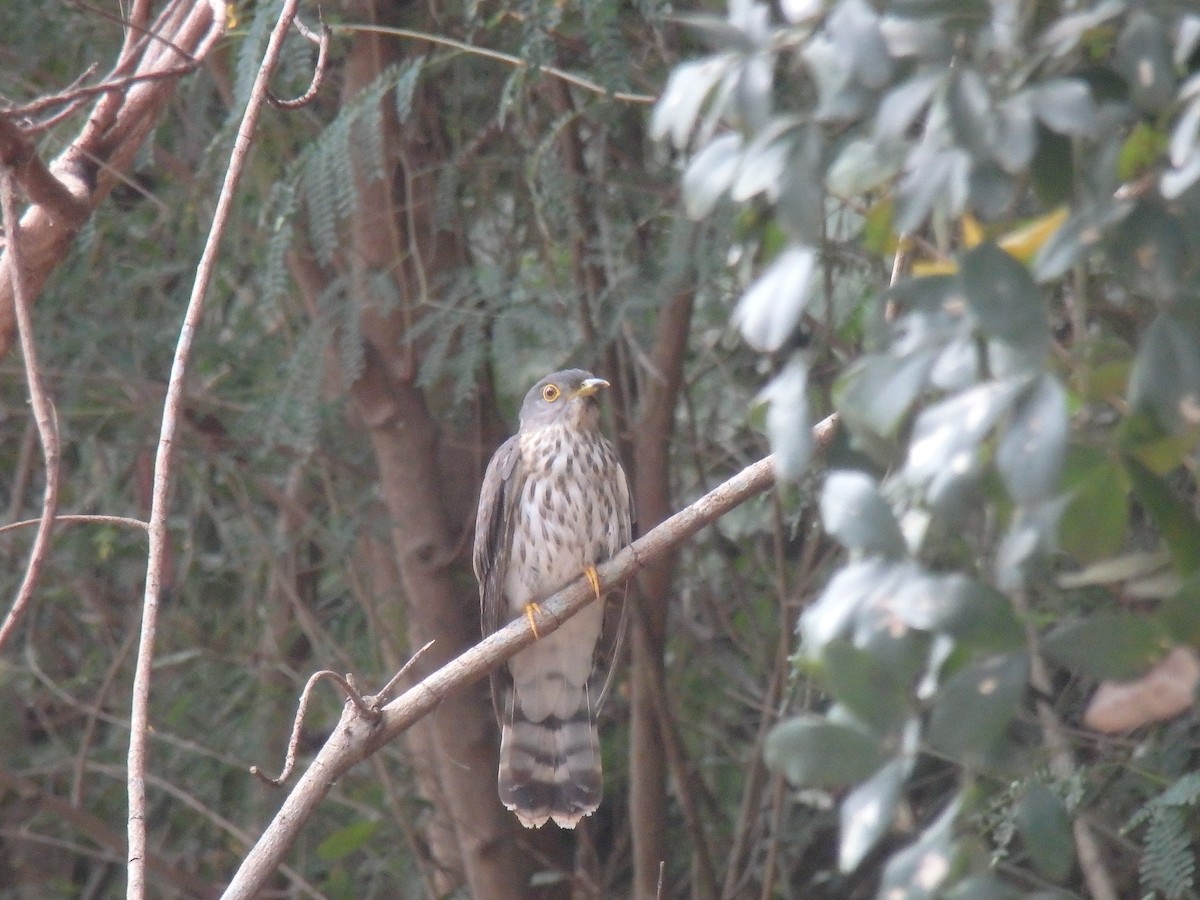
{"points": [[593, 578], [530, 610]]}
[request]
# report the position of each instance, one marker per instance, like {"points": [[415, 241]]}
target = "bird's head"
{"points": [[563, 398]]}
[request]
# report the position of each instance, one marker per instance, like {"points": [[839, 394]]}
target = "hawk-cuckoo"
{"points": [[555, 502]]}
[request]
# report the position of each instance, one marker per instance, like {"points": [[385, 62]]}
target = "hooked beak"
{"points": [[590, 386]]}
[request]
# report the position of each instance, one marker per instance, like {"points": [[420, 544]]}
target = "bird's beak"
{"points": [[590, 386]]}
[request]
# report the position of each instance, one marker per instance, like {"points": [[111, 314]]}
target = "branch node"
{"points": [[352, 695], [377, 702]]}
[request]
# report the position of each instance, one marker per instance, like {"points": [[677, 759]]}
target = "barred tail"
{"points": [[550, 769]]}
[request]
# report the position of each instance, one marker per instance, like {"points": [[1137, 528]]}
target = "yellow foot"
{"points": [[530, 609], [593, 578]]}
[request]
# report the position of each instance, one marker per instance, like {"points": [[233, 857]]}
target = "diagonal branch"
{"points": [[356, 737]]}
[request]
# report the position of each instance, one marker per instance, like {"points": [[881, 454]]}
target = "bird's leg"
{"points": [[530, 609], [593, 578]]}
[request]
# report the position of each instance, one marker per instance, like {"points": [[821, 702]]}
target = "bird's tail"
{"points": [[550, 769]]}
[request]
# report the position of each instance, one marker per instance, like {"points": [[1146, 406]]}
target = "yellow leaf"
{"points": [[934, 267], [972, 231], [1024, 243]]}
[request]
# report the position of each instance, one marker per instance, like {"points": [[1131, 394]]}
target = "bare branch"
{"points": [[19, 157], [289, 762], [39, 400], [314, 87], [515, 61], [356, 737], [382, 697], [64, 192], [80, 519], [160, 502]]}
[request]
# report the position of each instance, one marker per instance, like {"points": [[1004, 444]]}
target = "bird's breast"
{"points": [[567, 515]]}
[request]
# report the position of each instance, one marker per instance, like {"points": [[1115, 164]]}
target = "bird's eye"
{"points": [[550, 393]]}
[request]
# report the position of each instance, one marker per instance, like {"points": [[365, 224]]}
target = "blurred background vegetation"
{"points": [[1009, 528]]}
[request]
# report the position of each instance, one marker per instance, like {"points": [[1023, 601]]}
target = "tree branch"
{"points": [[64, 193], [160, 502], [39, 401], [356, 737]]}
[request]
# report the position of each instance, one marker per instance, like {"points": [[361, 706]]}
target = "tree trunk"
{"points": [[429, 474]]}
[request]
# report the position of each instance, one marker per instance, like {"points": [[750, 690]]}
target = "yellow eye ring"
{"points": [[550, 393]]}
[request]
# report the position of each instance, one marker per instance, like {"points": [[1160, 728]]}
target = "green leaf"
{"points": [[1143, 57], [788, 425], [1113, 644], [876, 392], [711, 173], [1081, 232], [1045, 829], [867, 685], [1141, 151], [1030, 455], [770, 309], [1096, 518], [1174, 518], [848, 592], [974, 614], [867, 813], [1006, 303], [346, 840], [1165, 379], [975, 706], [938, 178], [917, 871], [1065, 105], [862, 166], [944, 447], [1178, 613], [856, 515], [1016, 135], [814, 752], [688, 87]]}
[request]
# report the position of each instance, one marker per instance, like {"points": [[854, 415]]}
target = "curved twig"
{"points": [[318, 78], [289, 762], [39, 400]]}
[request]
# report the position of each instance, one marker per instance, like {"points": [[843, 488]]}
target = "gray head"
{"points": [[563, 398]]}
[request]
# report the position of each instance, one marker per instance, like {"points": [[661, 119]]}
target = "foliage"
{"points": [[1038, 173]]}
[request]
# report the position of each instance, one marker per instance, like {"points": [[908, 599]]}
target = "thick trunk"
{"points": [[652, 440], [429, 474]]}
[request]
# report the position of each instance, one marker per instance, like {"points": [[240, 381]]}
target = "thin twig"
{"points": [[515, 61], [160, 502], [80, 519], [318, 78], [289, 762], [72, 97], [39, 399], [381, 698]]}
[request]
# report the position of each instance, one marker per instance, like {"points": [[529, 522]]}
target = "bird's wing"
{"points": [[493, 537], [607, 657]]}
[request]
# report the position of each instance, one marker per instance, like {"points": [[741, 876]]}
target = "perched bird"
{"points": [[555, 502]]}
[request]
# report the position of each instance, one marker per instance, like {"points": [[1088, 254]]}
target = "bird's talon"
{"points": [[593, 578], [530, 609]]}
